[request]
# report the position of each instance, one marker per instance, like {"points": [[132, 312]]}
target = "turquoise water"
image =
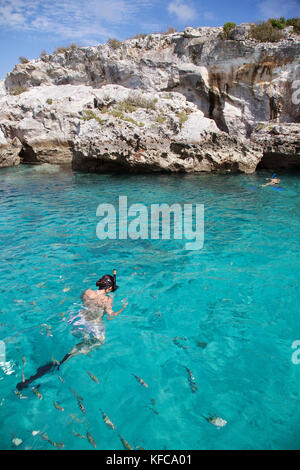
{"points": [[239, 296]]}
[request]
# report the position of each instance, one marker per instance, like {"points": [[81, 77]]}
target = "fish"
{"points": [[57, 406], [193, 385], [153, 401], [76, 395], [24, 360], [216, 421], [81, 407], [62, 301], [107, 420], [175, 341], [201, 344], [23, 377], [20, 395], [61, 379], [41, 284], [78, 435], [140, 381], [73, 416], [66, 289], [151, 408], [93, 377], [125, 443], [38, 394], [90, 439], [55, 444]]}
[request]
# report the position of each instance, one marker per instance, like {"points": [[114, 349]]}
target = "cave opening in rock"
{"points": [[28, 155], [279, 161]]}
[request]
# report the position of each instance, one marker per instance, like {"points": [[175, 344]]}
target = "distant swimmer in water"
{"points": [[272, 181], [88, 323]]}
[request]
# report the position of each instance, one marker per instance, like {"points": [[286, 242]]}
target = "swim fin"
{"points": [[39, 373]]}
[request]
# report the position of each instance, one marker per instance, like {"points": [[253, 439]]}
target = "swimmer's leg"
{"points": [[39, 373], [81, 348]]}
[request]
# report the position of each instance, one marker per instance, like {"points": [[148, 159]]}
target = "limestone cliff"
{"points": [[215, 98]]}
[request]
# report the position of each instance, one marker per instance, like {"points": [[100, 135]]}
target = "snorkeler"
{"points": [[273, 180], [88, 323]]}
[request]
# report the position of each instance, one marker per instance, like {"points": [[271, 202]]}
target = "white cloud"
{"points": [[277, 8], [85, 20], [183, 11]]}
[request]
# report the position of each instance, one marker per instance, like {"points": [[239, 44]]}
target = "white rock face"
{"points": [[230, 86], [2, 88], [114, 127]]}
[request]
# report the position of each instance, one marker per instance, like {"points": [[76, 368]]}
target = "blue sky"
{"points": [[29, 26]]}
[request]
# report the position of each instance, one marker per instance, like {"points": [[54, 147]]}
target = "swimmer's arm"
{"points": [[109, 310]]}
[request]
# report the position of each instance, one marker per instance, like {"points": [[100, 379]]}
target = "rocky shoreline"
{"points": [[181, 102]]}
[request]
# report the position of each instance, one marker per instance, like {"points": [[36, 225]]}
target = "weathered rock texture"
{"points": [[230, 86], [114, 128]]}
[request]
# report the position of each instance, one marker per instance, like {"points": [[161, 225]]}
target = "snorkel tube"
{"points": [[115, 280]]}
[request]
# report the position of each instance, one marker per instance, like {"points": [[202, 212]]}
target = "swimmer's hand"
{"points": [[110, 311]]}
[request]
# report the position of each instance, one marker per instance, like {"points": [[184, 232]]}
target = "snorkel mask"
{"points": [[108, 281]]}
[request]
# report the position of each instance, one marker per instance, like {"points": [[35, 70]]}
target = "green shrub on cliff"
{"points": [[160, 119], [23, 60], [182, 116], [127, 107], [140, 102], [278, 23], [265, 32], [49, 101], [295, 22], [17, 90], [117, 114], [60, 50], [227, 28], [114, 43], [170, 30], [88, 114], [139, 36]]}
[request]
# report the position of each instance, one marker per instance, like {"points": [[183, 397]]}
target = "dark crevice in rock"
{"points": [[27, 154], [215, 111], [278, 161], [95, 165]]}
